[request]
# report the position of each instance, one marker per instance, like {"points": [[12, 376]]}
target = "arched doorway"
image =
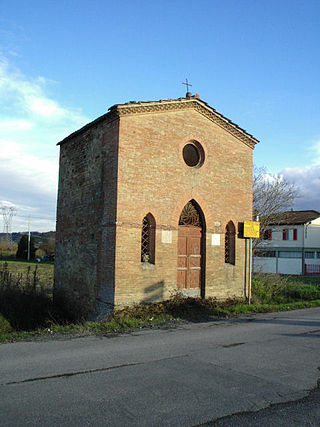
{"points": [[191, 250]]}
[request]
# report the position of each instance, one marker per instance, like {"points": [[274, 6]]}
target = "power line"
{"points": [[8, 212], [35, 217]]}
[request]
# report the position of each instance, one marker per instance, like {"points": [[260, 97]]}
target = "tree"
{"points": [[48, 246], [272, 194], [7, 249], [22, 252]]}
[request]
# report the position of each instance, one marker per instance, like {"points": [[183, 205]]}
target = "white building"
{"points": [[291, 245]]}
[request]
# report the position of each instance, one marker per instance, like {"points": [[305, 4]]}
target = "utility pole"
{"points": [[8, 212], [29, 238]]}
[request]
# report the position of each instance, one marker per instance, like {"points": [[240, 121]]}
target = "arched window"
{"points": [[190, 215], [230, 243], [148, 239]]}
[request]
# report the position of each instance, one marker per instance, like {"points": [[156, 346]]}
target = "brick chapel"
{"points": [[150, 197]]}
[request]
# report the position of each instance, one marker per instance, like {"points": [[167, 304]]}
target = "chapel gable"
{"points": [[149, 205]]}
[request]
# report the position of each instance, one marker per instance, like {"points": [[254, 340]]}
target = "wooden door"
{"points": [[189, 257]]}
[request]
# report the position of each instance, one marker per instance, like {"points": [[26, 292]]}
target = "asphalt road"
{"points": [[221, 373]]}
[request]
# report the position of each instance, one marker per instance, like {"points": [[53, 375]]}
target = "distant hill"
{"points": [[38, 236]]}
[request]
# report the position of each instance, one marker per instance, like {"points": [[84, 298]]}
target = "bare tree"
{"points": [[272, 194]]}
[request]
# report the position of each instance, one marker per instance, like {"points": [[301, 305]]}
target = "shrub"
{"points": [[274, 288], [22, 251], [23, 302], [5, 326]]}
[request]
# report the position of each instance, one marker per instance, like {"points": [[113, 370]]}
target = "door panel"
{"points": [[195, 279], [194, 243], [189, 257], [182, 277], [194, 261]]}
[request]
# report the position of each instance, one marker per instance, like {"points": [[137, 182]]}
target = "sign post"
{"points": [[251, 229], [250, 271]]}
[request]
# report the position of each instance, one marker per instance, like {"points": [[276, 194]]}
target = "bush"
{"points": [[274, 288], [23, 302], [22, 251], [177, 306], [5, 326]]}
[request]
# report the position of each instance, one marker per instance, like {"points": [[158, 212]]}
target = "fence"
{"points": [[312, 269]]}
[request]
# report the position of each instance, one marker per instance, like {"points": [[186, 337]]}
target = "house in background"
{"points": [[291, 245]]}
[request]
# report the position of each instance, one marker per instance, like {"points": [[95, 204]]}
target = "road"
{"points": [[184, 376]]}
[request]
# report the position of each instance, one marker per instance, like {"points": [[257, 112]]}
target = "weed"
{"points": [[5, 326], [27, 308], [23, 302], [274, 288]]}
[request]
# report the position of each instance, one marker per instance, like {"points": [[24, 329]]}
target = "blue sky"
{"points": [[63, 63]]}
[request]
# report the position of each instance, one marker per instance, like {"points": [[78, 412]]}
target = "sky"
{"points": [[64, 63]]}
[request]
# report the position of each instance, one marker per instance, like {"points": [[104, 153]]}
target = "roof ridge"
{"points": [[293, 217], [208, 111], [194, 101], [302, 210]]}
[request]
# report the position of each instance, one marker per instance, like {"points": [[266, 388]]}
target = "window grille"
{"points": [[267, 234], [289, 254], [265, 254], [190, 215], [309, 254], [148, 239], [230, 244]]}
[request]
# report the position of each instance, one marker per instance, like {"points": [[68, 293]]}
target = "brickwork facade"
{"points": [[129, 163]]}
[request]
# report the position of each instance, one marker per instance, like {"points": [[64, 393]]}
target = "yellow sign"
{"points": [[251, 229]]}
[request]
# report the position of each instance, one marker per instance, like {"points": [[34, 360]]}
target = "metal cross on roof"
{"points": [[187, 84]]}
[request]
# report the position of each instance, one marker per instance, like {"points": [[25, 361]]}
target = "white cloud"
{"points": [[15, 125], [7, 204], [45, 107], [273, 178], [314, 153], [307, 181], [28, 97], [33, 172], [31, 123]]}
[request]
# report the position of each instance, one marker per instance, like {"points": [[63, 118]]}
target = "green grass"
{"points": [[277, 289], [25, 295], [27, 310], [7, 253], [270, 308], [24, 268], [128, 321]]}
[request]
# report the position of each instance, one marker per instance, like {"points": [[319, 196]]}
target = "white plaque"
{"points": [[215, 239], [166, 236]]}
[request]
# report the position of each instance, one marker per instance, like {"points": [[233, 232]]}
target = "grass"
{"points": [[8, 252], [25, 301], [277, 289], [24, 268], [27, 310]]}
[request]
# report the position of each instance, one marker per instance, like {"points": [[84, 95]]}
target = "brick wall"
{"points": [[153, 177], [86, 213], [113, 173]]}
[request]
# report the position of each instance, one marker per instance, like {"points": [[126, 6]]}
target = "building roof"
{"points": [[294, 217], [166, 105]]}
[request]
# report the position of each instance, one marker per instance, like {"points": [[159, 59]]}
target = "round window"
{"points": [[193, 154]]}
